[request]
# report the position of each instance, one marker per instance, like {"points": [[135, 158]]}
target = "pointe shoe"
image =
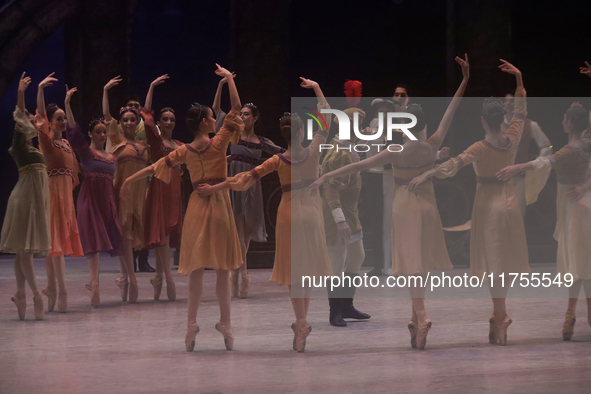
{"points": [[226, 331], [235, 288], [95, 295], [192, 331], [51, 298], [124, 286], [157, 283], [422, 334], [38, 303], [492, 330], [502, 330], [133, 293], [301, 336], [412, 328], [62, 302], [244, 285], [568, 328], [171, 290], [21, 305], [295, 335]]}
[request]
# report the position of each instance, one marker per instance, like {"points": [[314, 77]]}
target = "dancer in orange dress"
{"points": [[573, 206], [62, 168], [417, 234], [209, 237], [300, 225], [26, 230], [132, 156], [497, 238], [164, 206]]}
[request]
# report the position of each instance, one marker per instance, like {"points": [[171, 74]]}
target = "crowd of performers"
{"points": [[119, 210]]}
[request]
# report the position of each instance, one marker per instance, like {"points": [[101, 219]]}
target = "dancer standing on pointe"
{"points": [[63, 169], [97, 211], [573, 206], [209, 238], [132, 156], [497, 238], [299, 217], [417, 233], [26, 230], [247, 205], [164, 205]]}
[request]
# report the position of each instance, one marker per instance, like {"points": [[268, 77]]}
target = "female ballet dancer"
{"points": [[573, 206], [247, 205], [164, 206], [132, 156], [209, 238], [497, 238], [299, 216], [417, 234], [63, 169], [26, 230], [97, 211]]}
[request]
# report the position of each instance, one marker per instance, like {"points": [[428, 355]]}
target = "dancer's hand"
{"points": [[48, 81], [509, 68], [160, 80], [205, 190], [313, 188], [465, 65], [308, 83], [444, 153], [124, 190], [113, 82], [508, 172], [225, 79], [222, 72], [344, 230], [70, 93], [418, 181], [586, 69], [24, 82], [576, 193]]}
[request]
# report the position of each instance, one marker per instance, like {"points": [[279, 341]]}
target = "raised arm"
{"points": [[234, 97], [106, 111], [322, 103], [69, 113], [23, 84], [160, 80], [217, 100], [48, 81], [437, 139]]}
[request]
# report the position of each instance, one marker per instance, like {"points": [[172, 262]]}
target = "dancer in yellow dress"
{"points": [[209, 238], [300, 228], [497, 239]]}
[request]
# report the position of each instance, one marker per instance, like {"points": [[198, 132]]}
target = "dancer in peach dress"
{"points": [[209, 237], [63, 169], [497, 239], [300, 225]]}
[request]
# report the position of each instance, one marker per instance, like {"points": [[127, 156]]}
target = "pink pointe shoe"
{"points": [[302, 333], [171, 290], [21, 305], [157, 283], [226, 331], [422, 334], [38, 305], [192, 331], [412, 328], [124, 287], [51, 298]]}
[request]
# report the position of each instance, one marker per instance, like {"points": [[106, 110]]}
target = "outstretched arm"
{"points": [[22, 86], [160, 80], [380, 159], [106, 111], [142, 174], [48, 81], [234, 97], [509, 172], [437, 139], [69, 113]]}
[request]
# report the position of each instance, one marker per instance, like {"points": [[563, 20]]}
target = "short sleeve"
{"points": [[162, 167], [230, 131], [246, 179]]}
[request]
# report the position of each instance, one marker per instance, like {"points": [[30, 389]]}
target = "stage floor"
{"points": [[123, 348]]}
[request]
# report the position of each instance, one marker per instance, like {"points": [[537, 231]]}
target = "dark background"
{"points": [[271, 43]]}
